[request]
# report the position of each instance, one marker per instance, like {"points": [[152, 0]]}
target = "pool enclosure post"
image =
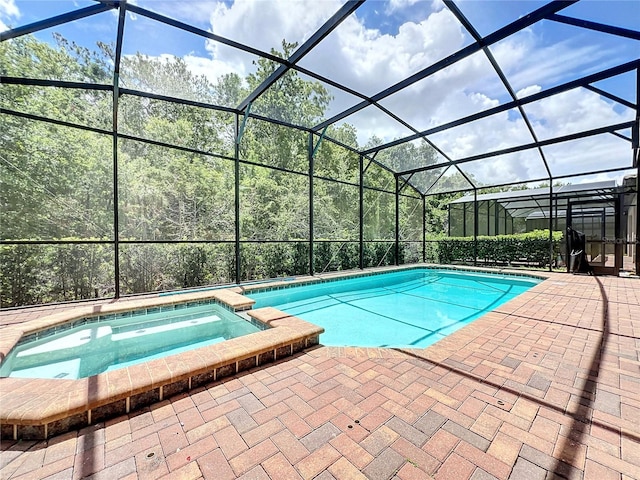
{"points": [[361, 213], [636, 237], [310, 154], [116, 97], [116, 232], [464, 219], [237, 197], [475, 226], [397, 262], [550, 224], [424, 228], [635, 141]]}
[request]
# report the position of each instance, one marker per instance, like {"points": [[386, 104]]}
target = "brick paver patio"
{"points": [[546, 386]]}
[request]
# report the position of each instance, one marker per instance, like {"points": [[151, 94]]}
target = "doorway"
{"points": [[599, 221]]}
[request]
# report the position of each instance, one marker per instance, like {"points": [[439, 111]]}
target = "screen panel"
{"points": [[169, 194], [36, 274], [56, 182]]}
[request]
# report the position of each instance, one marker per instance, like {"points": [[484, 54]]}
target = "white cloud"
{"points": [[489, 134], [8, 8], [527, 60], [8, 12], [466, 87], [589, 154], [570, 112], [364, 59], [437, 5], [574, 111], [567, 113], [264, 24], [508, 168], [213, 69], [395, 5], [527, 91]]}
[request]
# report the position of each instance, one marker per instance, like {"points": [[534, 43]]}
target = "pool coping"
{"points": [[279, 284], [42, 408]]}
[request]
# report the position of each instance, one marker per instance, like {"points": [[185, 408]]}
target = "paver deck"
{"points": [[546, 386]]}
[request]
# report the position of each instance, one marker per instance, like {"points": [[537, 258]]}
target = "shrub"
{"points": [[530, 248]]}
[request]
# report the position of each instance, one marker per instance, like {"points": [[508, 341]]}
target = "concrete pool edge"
{"points": [[41, 408], [346, 274], [12, 334]]}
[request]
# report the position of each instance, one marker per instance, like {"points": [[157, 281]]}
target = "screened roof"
{"points": [[534, 203], [449, 95]]}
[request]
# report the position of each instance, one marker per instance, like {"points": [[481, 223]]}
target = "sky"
{"points": [[384, 42]]}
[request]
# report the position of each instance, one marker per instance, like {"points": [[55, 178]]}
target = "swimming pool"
{"points": [[411, 308], [92, 346]]}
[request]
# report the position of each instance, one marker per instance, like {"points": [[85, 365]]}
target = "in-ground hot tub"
{"points": [[38, 408], [99, 344]]}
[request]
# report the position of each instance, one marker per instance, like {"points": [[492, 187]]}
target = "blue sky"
{"points": [[386, 41]]}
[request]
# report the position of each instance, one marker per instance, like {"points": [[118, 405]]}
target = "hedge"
{"points": [[35, 274], [531, 248]]}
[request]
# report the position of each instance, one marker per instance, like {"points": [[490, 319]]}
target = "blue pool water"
{"points": [[412, 308], [123, 340]]}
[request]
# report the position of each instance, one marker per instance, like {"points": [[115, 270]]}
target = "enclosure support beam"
{"points": [[636, 246], [116, 232], [55, 21], [361, 215], [506, 222], [464, 219], [566, 238], [116, 98], [311, 152], [598, 27], [247, 112], [397, 262], [635, 133], [551, 224], [475, 226], [617, 247], [315, 149], [237, 197], [424, 229]]}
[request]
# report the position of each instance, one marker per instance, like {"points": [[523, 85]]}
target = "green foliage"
{"points": [[530, 248], [32, 274], [273, 260], [57, 182], [290, 99]]}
